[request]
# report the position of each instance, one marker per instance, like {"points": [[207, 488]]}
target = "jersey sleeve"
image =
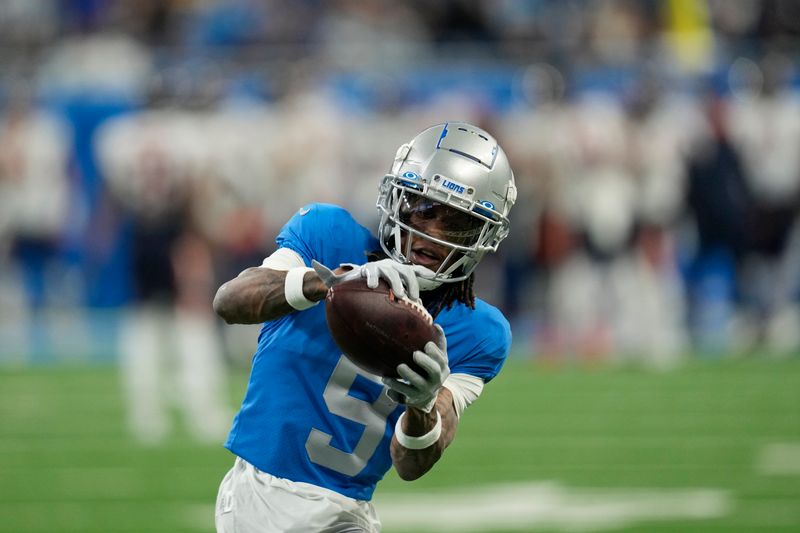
{"points": [[489, 352], [300, 233], [327, 233]]}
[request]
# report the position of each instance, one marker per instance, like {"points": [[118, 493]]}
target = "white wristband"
{"points": [[293, 288], [421, 442]]}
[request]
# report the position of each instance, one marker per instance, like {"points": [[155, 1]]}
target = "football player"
{"points": [[315, 433]]}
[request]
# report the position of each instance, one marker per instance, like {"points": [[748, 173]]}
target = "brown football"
{"points": [[375, 329]]}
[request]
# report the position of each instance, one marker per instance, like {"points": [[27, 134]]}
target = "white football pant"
{"points": [[252, 501]]}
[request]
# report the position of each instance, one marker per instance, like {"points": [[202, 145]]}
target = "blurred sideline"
{"points": [[150, 151]]}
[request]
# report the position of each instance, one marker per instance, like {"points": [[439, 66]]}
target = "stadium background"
{"points": [[651, 276]]}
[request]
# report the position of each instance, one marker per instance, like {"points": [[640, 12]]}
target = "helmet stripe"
{"points": [[442, 136]]}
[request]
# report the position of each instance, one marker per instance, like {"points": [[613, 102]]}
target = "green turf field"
{"points": [[714, 446]]}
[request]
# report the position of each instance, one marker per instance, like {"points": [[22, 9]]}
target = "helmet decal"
{"points": [[453, 186], [442, 136]]}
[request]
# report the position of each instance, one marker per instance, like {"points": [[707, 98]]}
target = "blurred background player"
{"points": [[170, 348], [34, 201], [764, 126], [315, 434]]}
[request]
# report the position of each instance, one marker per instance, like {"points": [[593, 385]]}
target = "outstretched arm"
{"points": [[258, 295], [429, 423], [410, 463]]}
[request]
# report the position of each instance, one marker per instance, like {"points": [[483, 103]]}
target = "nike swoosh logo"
{"points": [[304, 211]]}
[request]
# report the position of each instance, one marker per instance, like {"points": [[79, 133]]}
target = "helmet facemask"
{"points": [[449, 191], [459, 237]]}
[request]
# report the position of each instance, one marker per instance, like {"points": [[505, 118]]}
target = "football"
{"points": [[375, 329]]}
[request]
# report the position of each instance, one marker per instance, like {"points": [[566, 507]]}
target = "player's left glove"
{"points": [[416, 390]]}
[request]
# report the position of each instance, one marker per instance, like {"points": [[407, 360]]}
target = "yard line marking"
{"points": [[546, 505], [779, 459]]}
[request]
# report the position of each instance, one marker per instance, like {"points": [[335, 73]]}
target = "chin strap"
{"points": [[428, 284]]}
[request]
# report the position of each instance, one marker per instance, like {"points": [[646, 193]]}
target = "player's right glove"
{"points": [[402, 278]]}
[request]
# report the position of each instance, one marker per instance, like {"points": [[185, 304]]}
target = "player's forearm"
{"points": [[257, 295], [413, 464]]}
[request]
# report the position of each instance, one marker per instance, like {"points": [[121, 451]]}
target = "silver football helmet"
{"points": [[455, 172]]}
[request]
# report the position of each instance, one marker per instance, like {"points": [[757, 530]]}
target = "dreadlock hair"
{"points": [[446, 294], [443, 296]]}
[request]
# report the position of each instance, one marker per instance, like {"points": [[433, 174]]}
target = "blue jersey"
{"points": [[309, 414]]}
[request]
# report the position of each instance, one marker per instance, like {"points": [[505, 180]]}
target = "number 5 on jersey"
{"points": [[372, 415]]}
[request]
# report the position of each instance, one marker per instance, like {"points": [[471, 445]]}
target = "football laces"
{"points": [[418, 307]]}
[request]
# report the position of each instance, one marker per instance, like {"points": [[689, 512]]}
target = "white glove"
{"points": [[402, 278], [417, 390]]}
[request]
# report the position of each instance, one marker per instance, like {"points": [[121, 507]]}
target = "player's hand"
{"points": [[401, 278], [416, 390]]}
